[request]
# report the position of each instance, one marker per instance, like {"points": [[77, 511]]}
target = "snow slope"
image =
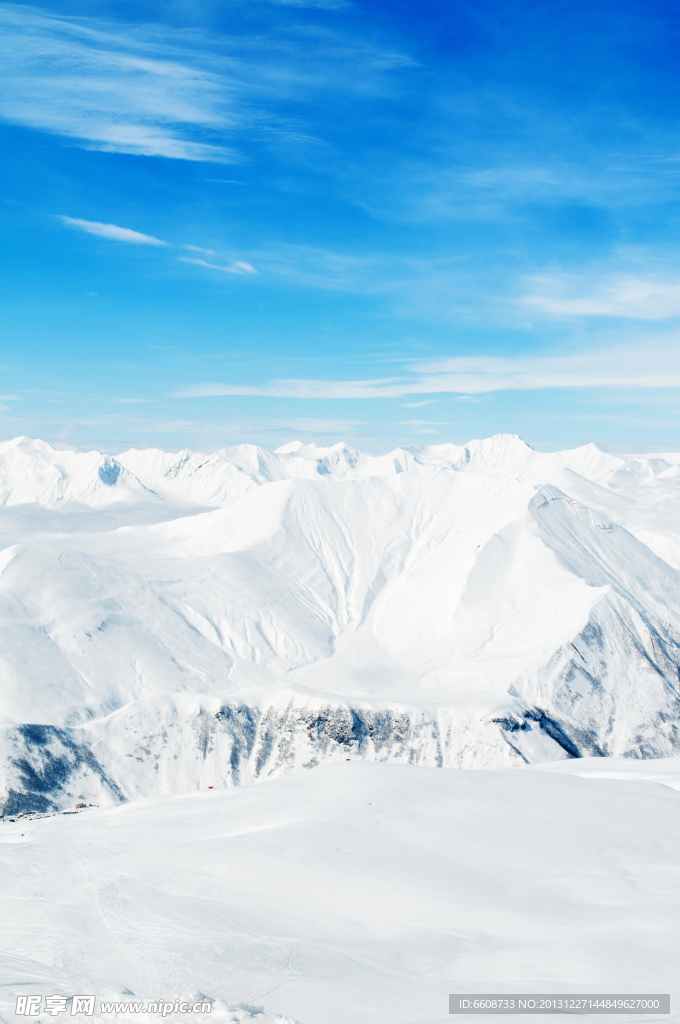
{"points": [[358, 892], [172, 621]]}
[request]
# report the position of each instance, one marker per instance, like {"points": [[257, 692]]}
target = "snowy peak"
{"points": [[32, 472]]}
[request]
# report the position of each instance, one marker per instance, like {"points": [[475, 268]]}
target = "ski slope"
{"points": [[353, 892], [171, 621]]}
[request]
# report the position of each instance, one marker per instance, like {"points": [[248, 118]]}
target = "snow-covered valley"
{"points": [[170, 622]]}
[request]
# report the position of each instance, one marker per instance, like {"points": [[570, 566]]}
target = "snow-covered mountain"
{"points": [[176, 621]]}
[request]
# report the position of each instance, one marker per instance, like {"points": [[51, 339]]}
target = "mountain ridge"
{"points": [[479, 604]]}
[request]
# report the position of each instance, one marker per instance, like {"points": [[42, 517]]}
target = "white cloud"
{"points": [[197, 248], [297, 388], [235, 267], [647, 364], [118, 234], [105, 90], [112, 231], [650, 363], [146, 91], [620, 295]]}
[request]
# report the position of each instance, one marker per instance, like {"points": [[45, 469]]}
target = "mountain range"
{"points": [[178, 621]]}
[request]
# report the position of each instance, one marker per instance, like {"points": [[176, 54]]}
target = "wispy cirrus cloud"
{"points": [[235, 267], [148, 91], [106, 90], [648, 363], [300, 388], [112, 231], [628, 296]]}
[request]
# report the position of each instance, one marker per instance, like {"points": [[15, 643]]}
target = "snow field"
{"points": [[352, 892]]}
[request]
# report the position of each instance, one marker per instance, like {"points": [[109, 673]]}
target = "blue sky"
{"points": [[383, 222]]}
